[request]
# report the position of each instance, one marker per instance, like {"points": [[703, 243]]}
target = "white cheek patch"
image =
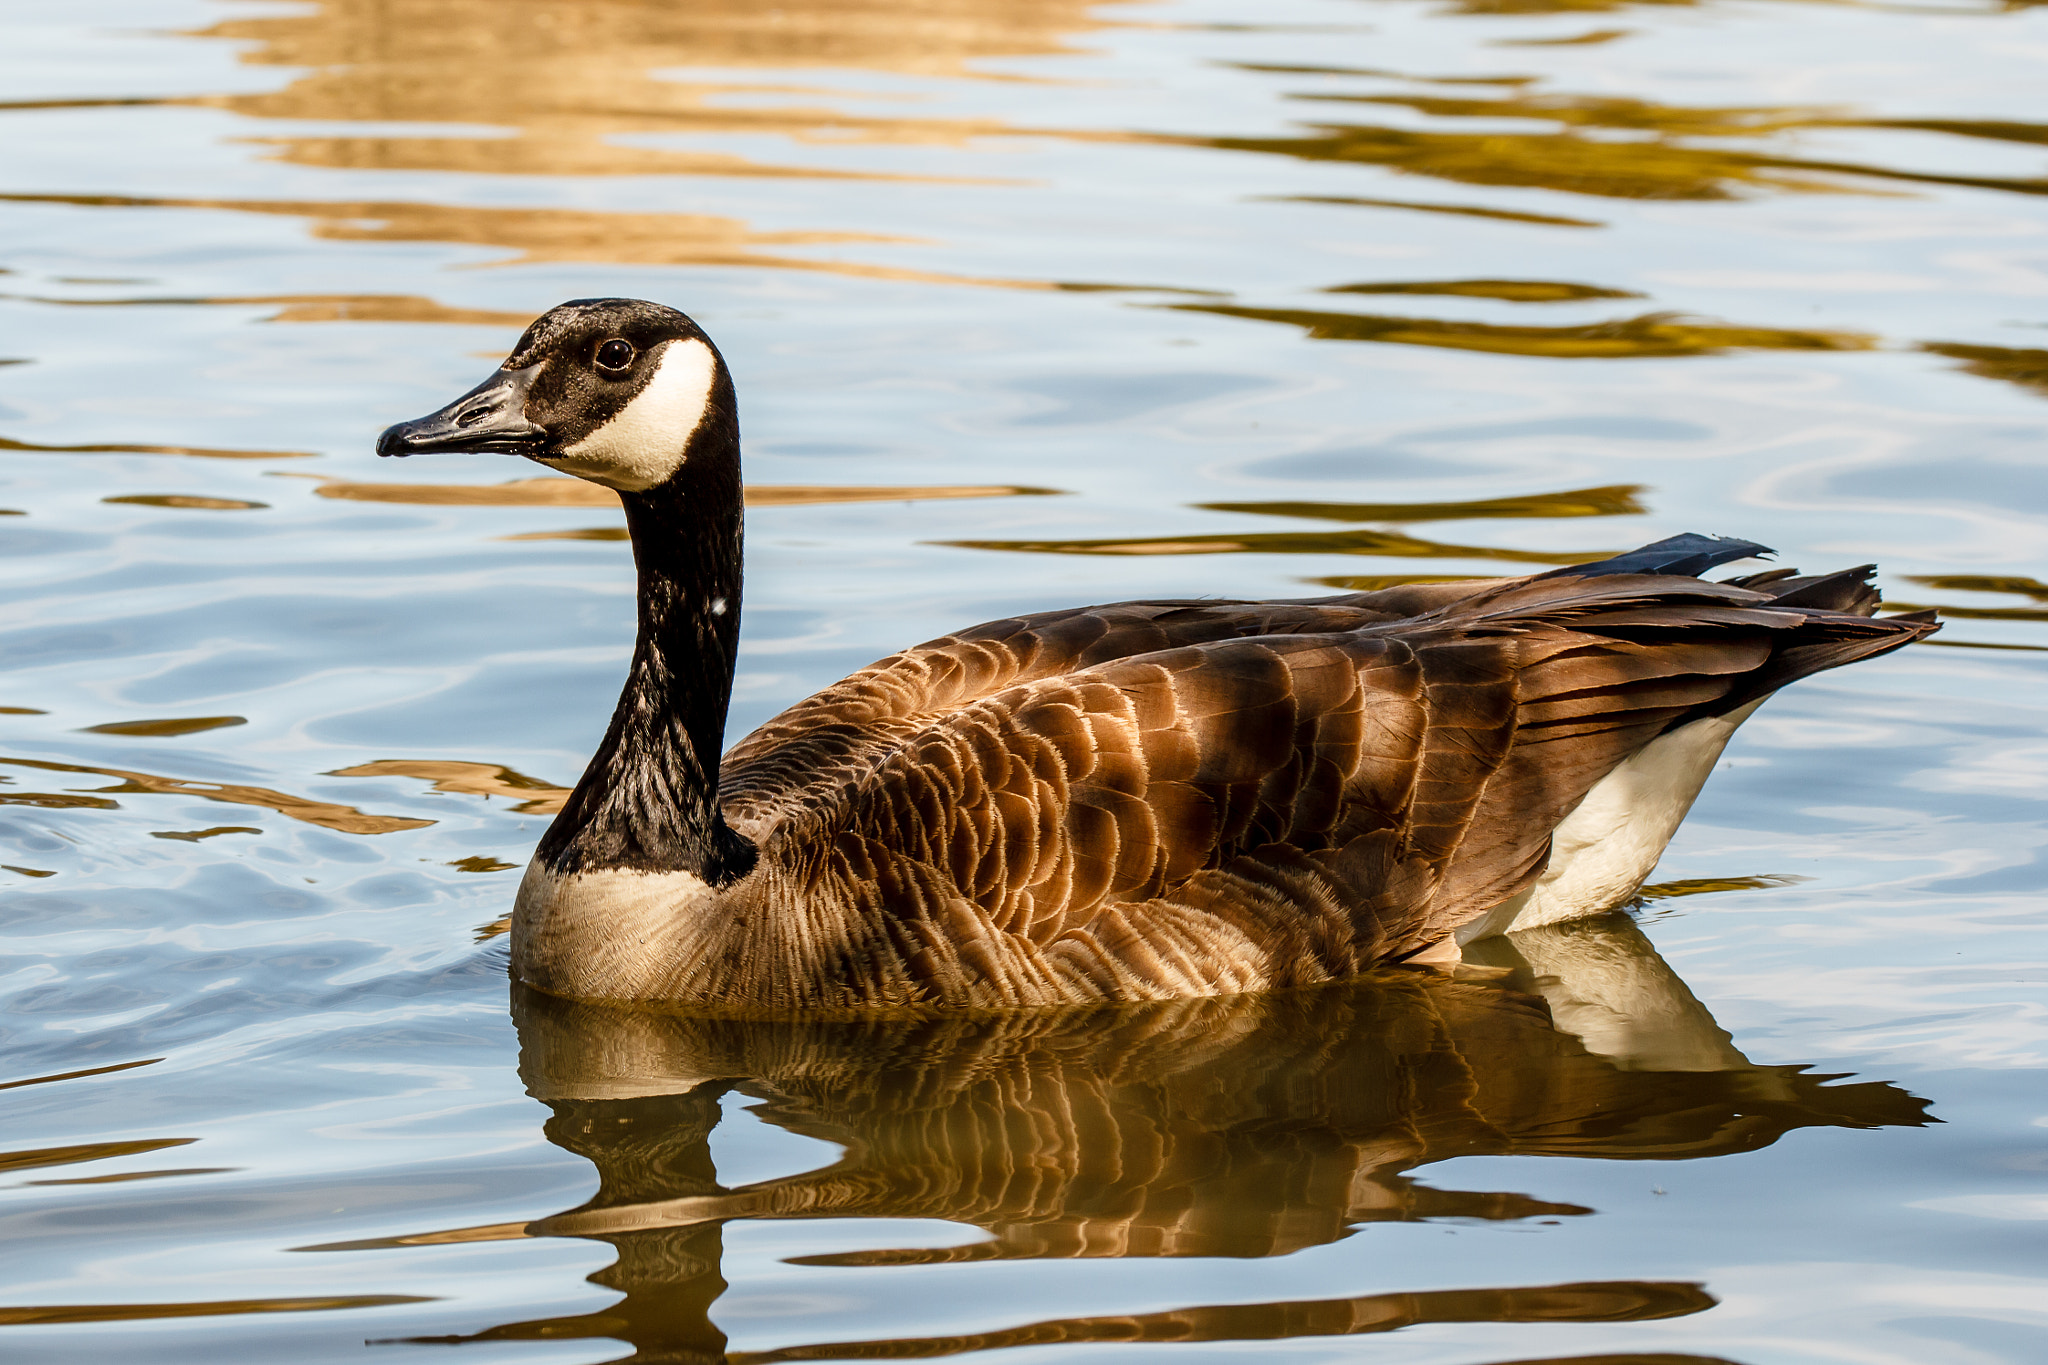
{"points": [[644, 444]]}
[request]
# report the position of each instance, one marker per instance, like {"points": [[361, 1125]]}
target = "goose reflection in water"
{"points": [[1224, 1127]]}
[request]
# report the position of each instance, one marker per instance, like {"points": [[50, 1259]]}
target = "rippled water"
{"points": [[1029, 304]]}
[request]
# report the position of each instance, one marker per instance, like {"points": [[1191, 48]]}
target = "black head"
{"points": [[611, 390]]}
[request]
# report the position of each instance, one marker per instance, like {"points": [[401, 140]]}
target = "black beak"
{"points": [[490, 417]]}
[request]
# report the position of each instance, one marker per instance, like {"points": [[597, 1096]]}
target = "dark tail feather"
{"points": [[1757, 582], [1845, 590], [1829, 642], [1688, 556]]}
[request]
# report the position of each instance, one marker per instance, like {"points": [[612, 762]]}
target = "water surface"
{"points": [[1028, 305]]}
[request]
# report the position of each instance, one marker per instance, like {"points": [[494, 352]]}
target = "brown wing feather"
{"points": [[1144, 827], [822, 744], [1265, 811]]}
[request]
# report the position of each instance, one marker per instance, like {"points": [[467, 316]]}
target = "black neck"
{"points": [[648, 802]]}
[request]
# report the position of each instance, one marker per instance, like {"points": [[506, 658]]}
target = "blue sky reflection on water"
{"points": [[1199, 299]]}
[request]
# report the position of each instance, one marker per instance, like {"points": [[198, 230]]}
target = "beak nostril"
{"points": [[473, 416]]}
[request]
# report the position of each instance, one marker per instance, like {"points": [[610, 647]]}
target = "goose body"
{"points": [[1134, 801]]}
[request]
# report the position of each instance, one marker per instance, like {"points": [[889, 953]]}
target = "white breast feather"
{"points": [[615, 933]]}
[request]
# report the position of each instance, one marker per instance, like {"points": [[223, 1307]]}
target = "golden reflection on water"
{"points": [[559, 491], [531, 795], [1614, 500], [1591, 38], [550, 88], [613, 533], [1375, 582], [1705, 886], [130, 448], [56, 1314], [190, 502], [1508, 291], [480, 863], [553, 234], [167, 728], [1652, 334], [1358, 541], [566, 80], [309, 308], [1608, 1301], [1456, 210], [558, 89], [1554, 161], [2027, 368], [1960, 582], [1628, 167], [79, 1075], [326, 814], [84, 1151], [1974, 613], [1238, 1127], [2005, 584], [1590, 111]]}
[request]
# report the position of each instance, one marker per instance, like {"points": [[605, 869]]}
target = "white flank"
{"points": [[613, 935], [1603, 851], [644, 444]]}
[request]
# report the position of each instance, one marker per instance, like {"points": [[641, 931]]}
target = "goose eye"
{"points": [[615, 356]]}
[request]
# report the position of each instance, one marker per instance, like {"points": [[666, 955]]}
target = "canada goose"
{"points": [[1124, 802]]}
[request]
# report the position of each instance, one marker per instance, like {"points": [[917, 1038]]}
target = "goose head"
{"points": [[622, 392]]}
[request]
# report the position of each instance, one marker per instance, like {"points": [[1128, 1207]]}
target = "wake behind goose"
{"points": [[1135, 801]]}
